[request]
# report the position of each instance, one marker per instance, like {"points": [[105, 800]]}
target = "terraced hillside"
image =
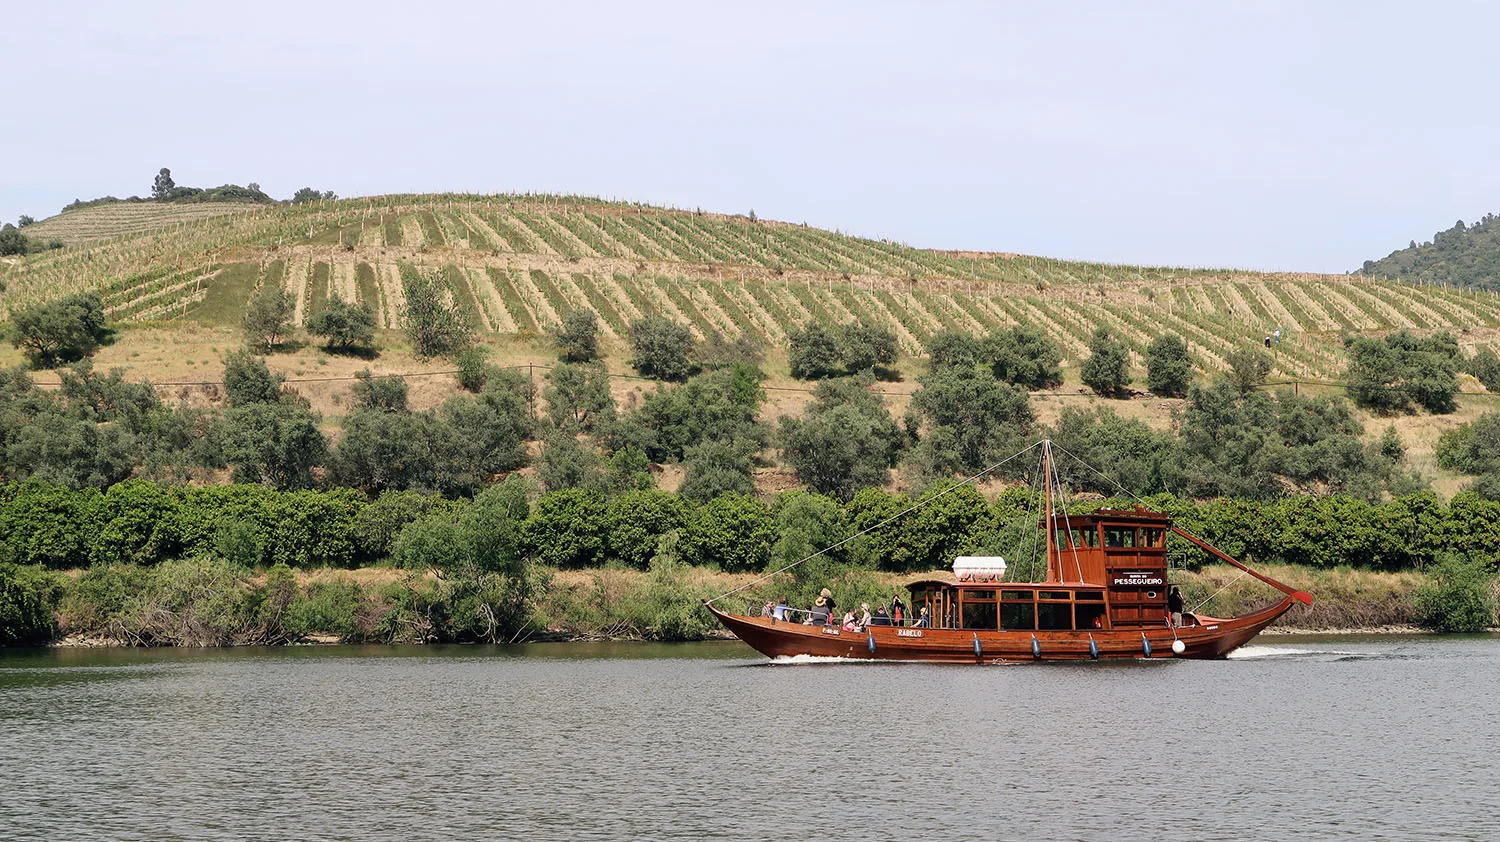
{"points": [[105, 222], [519, 261]]}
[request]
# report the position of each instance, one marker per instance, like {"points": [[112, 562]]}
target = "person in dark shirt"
{"points": [[1174, 606], [881, 618]]}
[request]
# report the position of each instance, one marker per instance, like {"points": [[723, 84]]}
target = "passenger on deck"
{"points": [[820, 612], [779, 612], [765, 610], [827, 595], [881, 618], [1174, 606], [849, 622], [864, 614], [898, 610], [923, 621]]}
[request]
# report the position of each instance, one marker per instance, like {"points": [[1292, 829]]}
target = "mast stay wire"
{"points": [[908, 510]]}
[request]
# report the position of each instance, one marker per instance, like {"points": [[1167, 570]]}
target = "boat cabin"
{"points": [[1105, 570]]}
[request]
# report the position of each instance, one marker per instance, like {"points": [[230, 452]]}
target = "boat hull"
{"points": [[1214, 638]]}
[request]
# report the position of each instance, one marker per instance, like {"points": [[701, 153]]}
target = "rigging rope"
{"points": [[1080, 460], [909, 509]]}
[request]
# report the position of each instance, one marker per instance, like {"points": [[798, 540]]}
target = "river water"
{"points": [[1294, 738]]}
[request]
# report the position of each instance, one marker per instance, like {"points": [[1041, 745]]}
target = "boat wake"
{"points": [[797, 660], [1247, 652]]}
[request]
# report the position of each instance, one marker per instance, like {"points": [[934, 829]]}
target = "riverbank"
{"points": [[207, 603]]}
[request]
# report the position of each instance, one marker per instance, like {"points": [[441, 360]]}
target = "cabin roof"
{"points": [[1134, 515]]}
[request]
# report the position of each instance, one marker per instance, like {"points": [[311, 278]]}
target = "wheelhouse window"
{"points": [[979, 615], [1151, 537], [1089, 616], [1086, 537], [1017, 615], [1119, 537], [1054, 615]]}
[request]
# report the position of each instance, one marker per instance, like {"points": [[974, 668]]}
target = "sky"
{"points": [[1305, 136]]}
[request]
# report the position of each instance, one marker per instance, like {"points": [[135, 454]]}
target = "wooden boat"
{"points": [[1104, 597]]}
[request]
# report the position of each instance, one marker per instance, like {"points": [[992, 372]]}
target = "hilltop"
{"points": [[517, 262], [1463, 256]]}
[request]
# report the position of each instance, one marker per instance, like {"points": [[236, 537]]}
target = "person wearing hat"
{"points": [[821, 611]]}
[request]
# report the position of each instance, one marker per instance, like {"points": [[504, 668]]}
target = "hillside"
{"points": [[518, 261], [116, 219], [1463, 256]]}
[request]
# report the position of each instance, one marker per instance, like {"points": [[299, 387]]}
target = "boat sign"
{"points": [[830, 630], [1138, 579], [908, 632]]}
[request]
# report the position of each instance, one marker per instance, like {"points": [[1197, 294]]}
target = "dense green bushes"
{"points": [[140, 522]]}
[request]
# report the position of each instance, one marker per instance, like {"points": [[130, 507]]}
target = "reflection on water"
{"points": [[1306, 738]]}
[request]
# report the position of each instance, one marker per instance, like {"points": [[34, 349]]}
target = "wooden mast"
{"points": [[1054, 572]]}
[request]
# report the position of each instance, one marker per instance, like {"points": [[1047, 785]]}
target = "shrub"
{"points": [[1107, 370], [64, 330], [1458, 596], [863, 346], [1168, 366], [732, 532], [1400, 371], [1248, 368], [568, 528], [386, 394], [637, 520], [1025, 356], [432, 321], [813, 352], [248, 380], [29, 597], [661, 348], [577, 337], [474, 368], [268, 318], [344, 324]]}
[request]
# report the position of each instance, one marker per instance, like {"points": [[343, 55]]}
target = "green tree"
{"points": [[432, 320], [955, 348], [1107, 370], [66, 329], [845, 441], [12, 241], [163, 185], [1127, 451], [638, 519], [813, 352], [344, 324], [568, 528], [1458, 596], [578, 398], [577, 337], [970, 419], [308, 194], [1400, 371], [474, 367], [1169, 367], [29, 598], [717, 467], [1025, 356], [248, 380], [864, 346], [268, 317], [387, 394], [568, 463], [274, 444], [1248, 368], [661, 348], [731, 531], [1473, 447], [1485, 367], [716, 405]]}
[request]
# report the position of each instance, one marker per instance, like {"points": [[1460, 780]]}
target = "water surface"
{"points": [[1305, 738]]}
